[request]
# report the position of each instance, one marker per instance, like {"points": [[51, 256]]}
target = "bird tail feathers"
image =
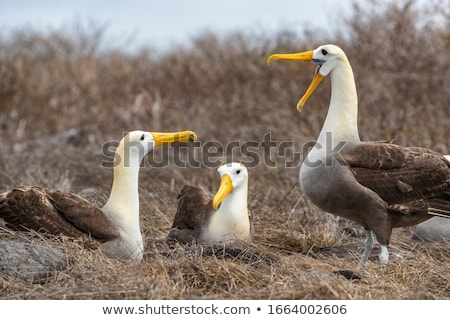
{"points": [[439, 206]]}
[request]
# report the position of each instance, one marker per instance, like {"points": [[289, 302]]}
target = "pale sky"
{"points": [[160, 24]]}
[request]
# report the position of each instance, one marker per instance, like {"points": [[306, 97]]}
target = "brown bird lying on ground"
{"points": [[116, 225], [379, 185], [224, 217]]}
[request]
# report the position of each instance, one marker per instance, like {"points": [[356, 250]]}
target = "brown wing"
{"points": [[376, 155], [400, 174], [27, 207], [84, 215], [194, 209], [30, 207]]}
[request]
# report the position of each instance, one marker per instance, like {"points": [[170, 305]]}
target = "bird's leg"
{"points": [[367, 249], [384, 255]]}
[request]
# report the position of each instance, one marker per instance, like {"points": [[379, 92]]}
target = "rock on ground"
{"points": [[30, 262]]}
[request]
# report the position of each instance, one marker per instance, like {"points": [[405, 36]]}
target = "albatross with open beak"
{"points": [[224, 217], [116, 225], [378, 185]]}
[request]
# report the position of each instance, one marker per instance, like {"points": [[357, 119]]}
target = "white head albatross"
{"points": [[116, 225], [224, 217], [379, 185]]}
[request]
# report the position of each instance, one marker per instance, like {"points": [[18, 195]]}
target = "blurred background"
{"points": [[162, 24], [112, 66]]}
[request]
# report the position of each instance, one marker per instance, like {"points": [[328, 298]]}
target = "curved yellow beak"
{"points": [[226, 186], [301, 56], [162, 138]]}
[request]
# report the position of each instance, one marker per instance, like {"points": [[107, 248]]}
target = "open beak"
{"points": [[301, 56], [162, 138], [226, 186]]}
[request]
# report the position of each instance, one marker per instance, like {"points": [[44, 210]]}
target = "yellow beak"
{"points": [[226, 186], [162, 138], [301, 56]]}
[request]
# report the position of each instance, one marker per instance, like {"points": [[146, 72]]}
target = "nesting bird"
{"points": [[379, 185], [115, 226], [222, 217]]}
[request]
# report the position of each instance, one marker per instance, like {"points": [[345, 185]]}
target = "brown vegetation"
{"points": [[222, 89]]}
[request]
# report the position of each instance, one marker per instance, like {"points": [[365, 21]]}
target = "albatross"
{"points": [[379, 185], [222, 217], [115, 226]]}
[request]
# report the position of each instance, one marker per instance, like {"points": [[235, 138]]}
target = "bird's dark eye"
{"points": [[238, 171], [142, 137], [324, 52]]}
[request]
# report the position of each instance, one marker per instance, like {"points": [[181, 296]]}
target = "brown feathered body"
{"points": [[381, 185], [191, 218], [55, 212], [414, 182]]}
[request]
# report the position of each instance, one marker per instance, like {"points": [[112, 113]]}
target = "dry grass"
{"points": [[222, 89]]}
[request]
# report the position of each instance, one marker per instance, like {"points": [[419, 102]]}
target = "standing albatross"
{"points": [[379, 185], [116, 225], [224, 217]]}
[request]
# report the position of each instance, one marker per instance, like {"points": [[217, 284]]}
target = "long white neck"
{"points": [[231, 221], [342, 117], [123, 203]]}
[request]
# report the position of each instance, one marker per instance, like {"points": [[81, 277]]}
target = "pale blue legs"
{"points": [[384, 254], [367, 249]]}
